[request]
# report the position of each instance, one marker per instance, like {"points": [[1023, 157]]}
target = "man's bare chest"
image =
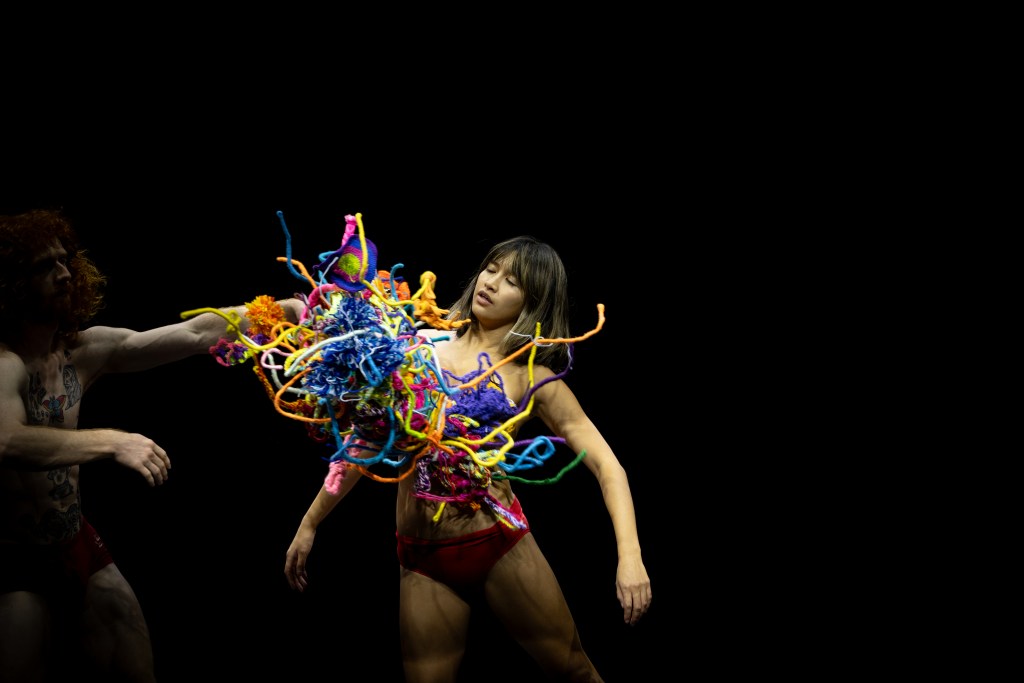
{"points": [[54, 391]]}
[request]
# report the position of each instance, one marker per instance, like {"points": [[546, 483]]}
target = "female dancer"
{"points": [[464, 538]]}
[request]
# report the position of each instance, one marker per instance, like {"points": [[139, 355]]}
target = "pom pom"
{"points": [[263, 313]]}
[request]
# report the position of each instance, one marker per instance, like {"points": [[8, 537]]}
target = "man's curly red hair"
{"points": [[22, 238]]}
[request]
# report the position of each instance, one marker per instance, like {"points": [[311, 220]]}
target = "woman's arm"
{"points": [[302, 543], [558, 407]]}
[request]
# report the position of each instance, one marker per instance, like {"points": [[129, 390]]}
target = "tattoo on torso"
{"points": [[52, 392], [55, 524], [61, 483], [46, 408]]}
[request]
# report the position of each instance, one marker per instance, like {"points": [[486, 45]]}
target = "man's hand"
{"points": [[143, 455]]}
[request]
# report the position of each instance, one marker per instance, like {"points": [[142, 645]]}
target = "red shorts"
{"points": [[461, 563], [57, 569]]}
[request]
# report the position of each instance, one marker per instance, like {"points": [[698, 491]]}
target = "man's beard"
{"points": [[58, 309]]}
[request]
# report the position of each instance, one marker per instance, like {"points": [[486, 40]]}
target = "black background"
{"points": [[205, 551], [696, 184]]}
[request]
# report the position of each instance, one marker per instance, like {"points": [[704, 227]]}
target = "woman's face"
{"points": [[499, 298]]}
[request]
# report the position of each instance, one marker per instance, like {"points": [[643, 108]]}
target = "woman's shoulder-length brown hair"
{"points": [[539, 270]]}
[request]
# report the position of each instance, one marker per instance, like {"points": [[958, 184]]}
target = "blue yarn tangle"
{"points": [[358, 359]]}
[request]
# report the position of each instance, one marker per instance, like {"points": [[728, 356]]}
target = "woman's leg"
{"points": [[524, 594], [433, 625]]}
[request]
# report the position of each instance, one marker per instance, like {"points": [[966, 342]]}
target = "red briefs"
{"points": [[56, 569], [461, 563]]}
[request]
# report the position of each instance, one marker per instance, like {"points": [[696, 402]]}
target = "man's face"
{"points": [[50, 280]]}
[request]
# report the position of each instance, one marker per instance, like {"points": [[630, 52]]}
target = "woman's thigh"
{"points": [[524, 594], [433, 626]]}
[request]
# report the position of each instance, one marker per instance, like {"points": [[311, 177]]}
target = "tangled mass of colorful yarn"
{"points": [[360, 372]]}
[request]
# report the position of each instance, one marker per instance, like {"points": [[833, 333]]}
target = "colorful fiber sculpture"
{"points": [[360, 370]]}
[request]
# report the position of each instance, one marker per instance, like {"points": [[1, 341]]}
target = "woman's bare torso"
{"points": [[415, 516]]}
